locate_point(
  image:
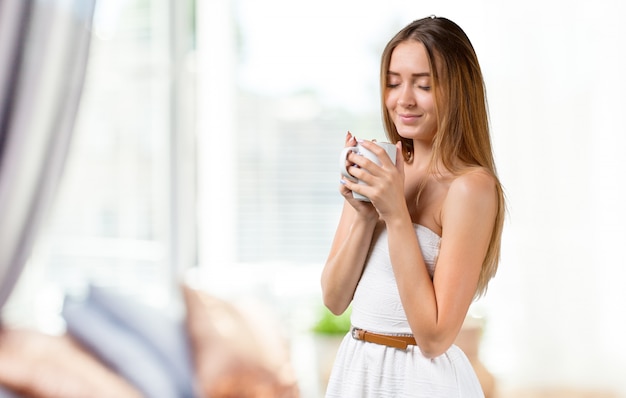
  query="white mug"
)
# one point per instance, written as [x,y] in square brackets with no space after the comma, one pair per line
[360,150]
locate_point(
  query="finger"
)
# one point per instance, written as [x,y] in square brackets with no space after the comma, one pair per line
[351,158]
[350,139]
[363,178]
[349,188]
[399,158]
[359,166]
[355,171]
[377,150]
[384,161]
[342,187]
[345,188]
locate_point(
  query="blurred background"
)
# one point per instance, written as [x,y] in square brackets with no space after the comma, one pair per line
[206,147]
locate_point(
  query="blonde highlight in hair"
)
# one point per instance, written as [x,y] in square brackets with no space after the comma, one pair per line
[463,141]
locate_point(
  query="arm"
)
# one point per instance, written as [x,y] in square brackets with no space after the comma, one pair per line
[436,309]
[345,262]
[349,249]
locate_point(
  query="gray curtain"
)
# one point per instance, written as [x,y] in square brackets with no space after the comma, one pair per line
[44,46]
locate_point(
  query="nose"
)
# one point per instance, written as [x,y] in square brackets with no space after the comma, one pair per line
[406,98]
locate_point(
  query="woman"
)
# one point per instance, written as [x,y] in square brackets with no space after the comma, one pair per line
[433,225]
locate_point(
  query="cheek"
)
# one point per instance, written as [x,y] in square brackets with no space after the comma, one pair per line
[426,101]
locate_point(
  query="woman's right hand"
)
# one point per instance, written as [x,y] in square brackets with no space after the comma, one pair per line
[347,256]
[363,209]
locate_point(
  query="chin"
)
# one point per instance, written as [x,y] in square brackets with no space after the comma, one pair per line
[412,133]
[406,133]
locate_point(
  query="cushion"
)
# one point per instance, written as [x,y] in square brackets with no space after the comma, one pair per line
[40,365]
[238,350]
[117,347]
[5,393]
[164,335]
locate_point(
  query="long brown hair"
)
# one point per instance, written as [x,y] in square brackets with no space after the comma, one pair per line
[462,141]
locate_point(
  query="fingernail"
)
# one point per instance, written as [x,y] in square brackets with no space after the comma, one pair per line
[342,181]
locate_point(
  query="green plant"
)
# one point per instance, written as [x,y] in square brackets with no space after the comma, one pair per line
[331,324]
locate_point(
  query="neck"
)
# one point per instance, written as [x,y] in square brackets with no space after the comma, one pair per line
[422,153]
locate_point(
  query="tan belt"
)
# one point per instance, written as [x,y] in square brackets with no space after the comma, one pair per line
[391,341]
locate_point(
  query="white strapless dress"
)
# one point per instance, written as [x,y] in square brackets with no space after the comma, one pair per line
[363,369]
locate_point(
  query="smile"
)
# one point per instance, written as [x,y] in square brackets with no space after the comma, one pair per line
[408,118]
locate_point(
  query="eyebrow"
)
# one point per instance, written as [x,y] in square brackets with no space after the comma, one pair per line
[421,74]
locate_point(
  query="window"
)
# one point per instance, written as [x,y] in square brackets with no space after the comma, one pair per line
[116,218]
[274,102]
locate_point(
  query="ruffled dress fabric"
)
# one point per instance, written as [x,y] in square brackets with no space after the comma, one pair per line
[369,370]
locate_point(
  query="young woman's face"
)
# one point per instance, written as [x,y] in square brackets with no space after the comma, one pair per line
[409,95]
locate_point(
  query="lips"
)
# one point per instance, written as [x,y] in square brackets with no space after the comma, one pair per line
[408,118]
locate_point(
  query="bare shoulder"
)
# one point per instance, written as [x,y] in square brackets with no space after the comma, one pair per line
[475,181]
[475,189]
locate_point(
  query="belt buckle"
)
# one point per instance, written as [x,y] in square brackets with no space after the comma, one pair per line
[357,334]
